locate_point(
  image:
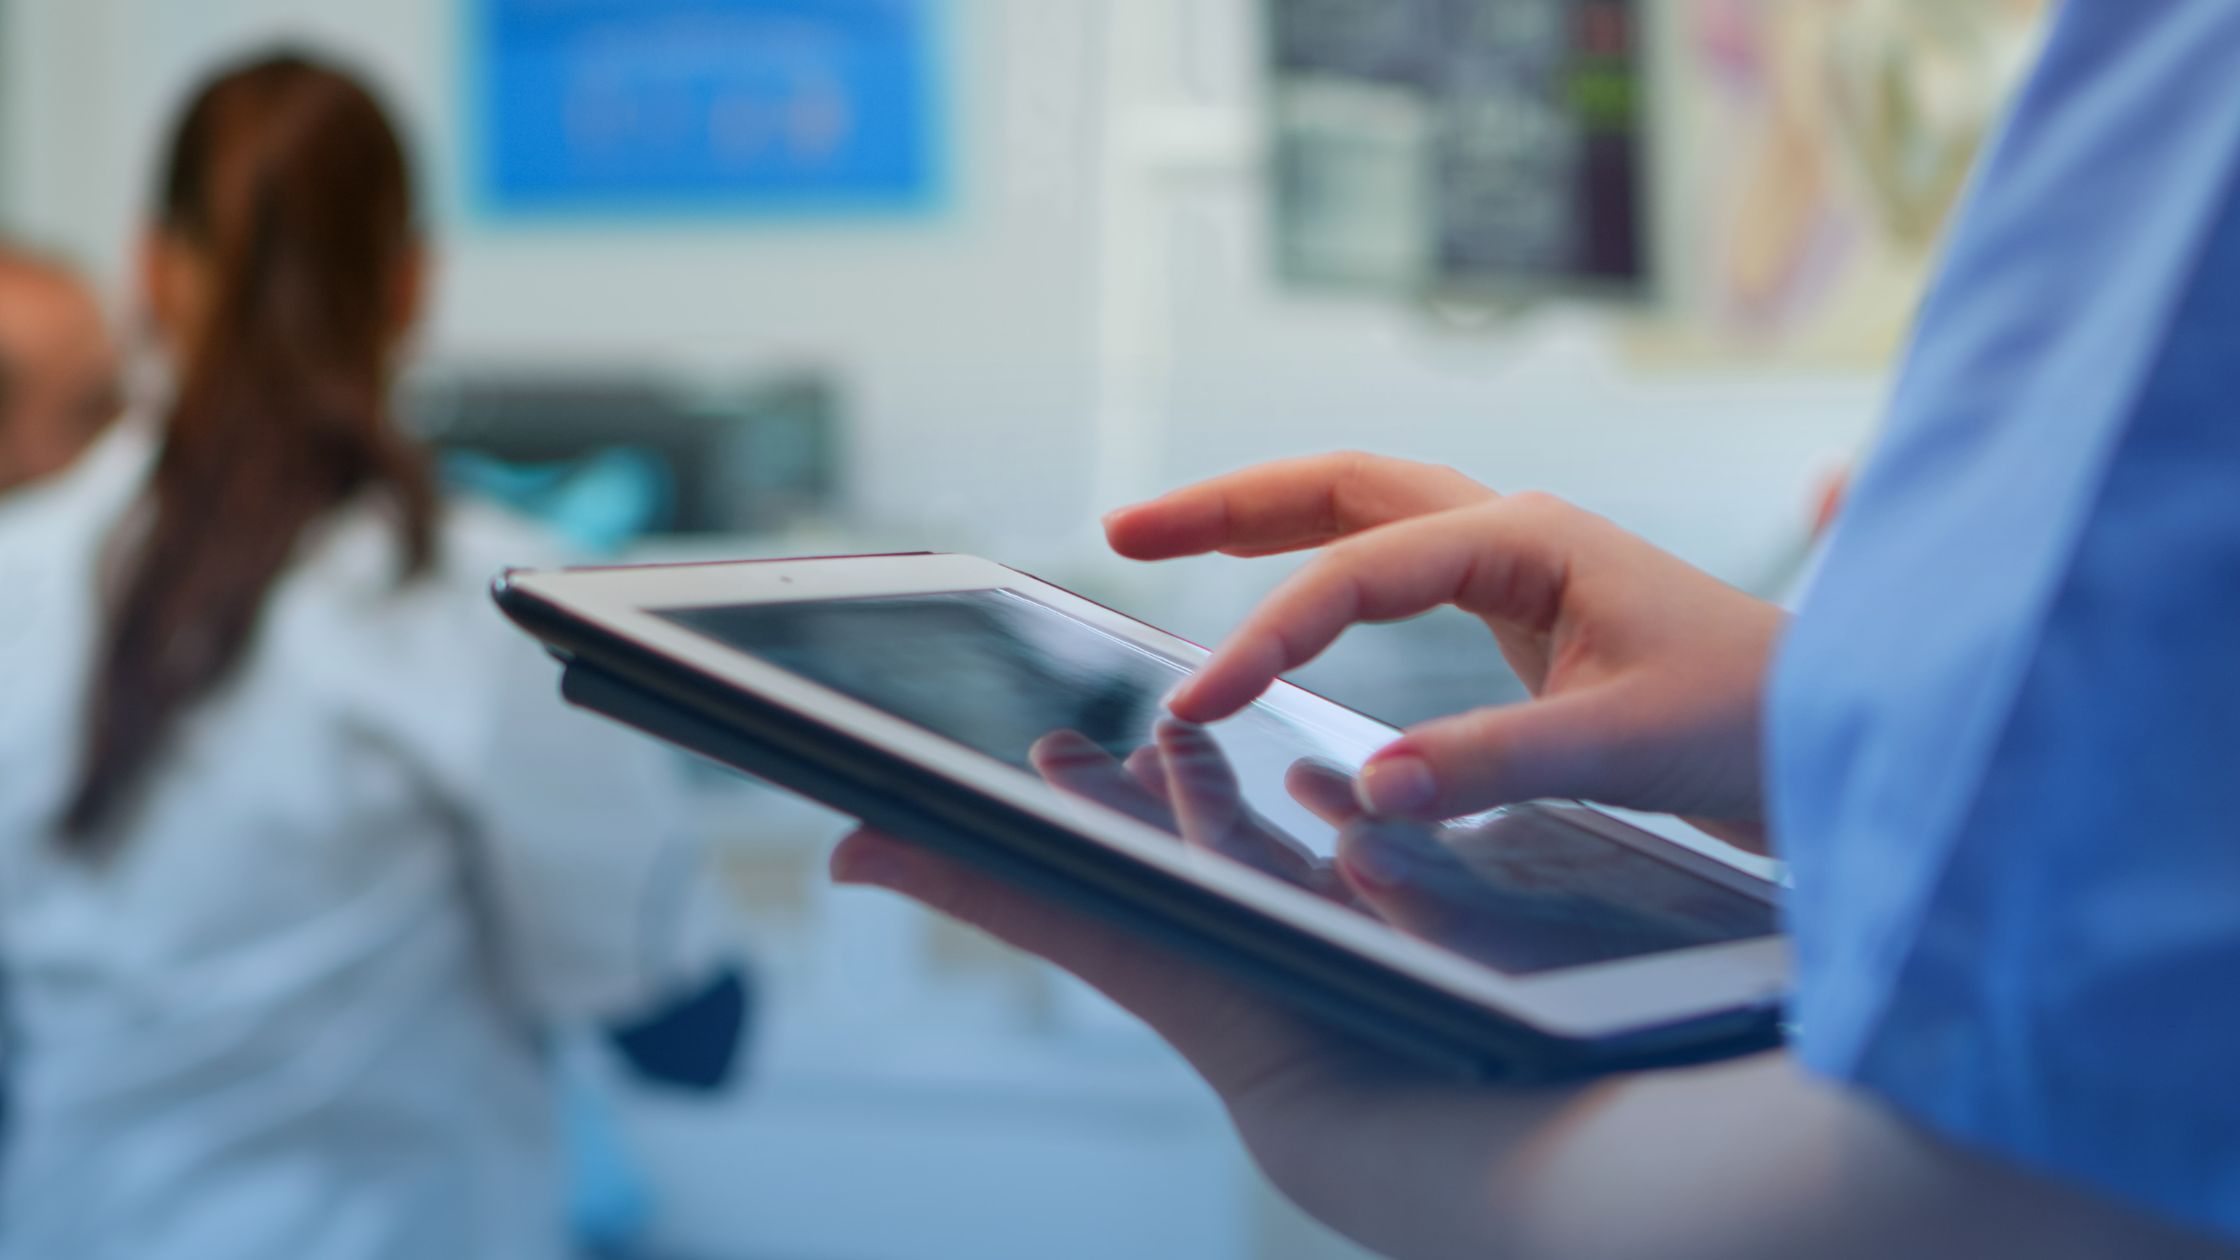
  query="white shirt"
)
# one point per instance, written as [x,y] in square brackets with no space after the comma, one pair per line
[295,1016]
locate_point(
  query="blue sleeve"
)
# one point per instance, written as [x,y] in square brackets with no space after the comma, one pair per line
[2006,725]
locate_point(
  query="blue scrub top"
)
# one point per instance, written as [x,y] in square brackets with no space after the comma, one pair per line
[2005,729]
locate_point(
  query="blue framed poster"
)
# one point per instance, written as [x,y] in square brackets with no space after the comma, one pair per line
[707,107]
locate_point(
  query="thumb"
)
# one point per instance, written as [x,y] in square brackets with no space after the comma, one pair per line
[1589,745]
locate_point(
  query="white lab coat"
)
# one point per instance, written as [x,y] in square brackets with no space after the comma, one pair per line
[297,1015]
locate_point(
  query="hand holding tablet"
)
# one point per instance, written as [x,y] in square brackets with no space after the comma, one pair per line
[1019,728]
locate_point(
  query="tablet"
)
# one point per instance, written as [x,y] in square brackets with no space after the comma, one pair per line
[960,704]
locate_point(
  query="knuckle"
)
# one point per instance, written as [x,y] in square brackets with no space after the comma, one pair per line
[1344,585]
[1352,475]
[1453,475]
[1292,649]
[1537,507]
[1330,570]
[1473,758]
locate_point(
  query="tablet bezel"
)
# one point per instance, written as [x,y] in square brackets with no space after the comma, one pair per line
[1590,1001]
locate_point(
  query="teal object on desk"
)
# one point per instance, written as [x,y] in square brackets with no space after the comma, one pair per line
[2005,728]
[598,504]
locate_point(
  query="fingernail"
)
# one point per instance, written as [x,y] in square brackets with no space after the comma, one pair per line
[1180,693]
[1397,785]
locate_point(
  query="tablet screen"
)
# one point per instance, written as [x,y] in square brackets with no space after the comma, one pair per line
[1521,890]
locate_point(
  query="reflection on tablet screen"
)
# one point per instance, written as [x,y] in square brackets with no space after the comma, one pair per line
[1521,890]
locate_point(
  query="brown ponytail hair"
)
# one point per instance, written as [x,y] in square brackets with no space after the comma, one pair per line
[287,182]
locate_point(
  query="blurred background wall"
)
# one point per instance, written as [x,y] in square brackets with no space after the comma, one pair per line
[1094,304]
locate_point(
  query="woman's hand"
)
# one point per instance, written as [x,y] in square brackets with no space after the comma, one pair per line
[1739,1161]
[1647,674]
[1336,1126]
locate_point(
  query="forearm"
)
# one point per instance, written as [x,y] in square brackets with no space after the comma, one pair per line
[1732,1162]
[1741,1161]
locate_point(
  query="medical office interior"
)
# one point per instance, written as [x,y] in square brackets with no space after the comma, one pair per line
[726,278]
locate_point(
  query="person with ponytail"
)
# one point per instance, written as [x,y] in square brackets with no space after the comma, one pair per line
[302,865]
